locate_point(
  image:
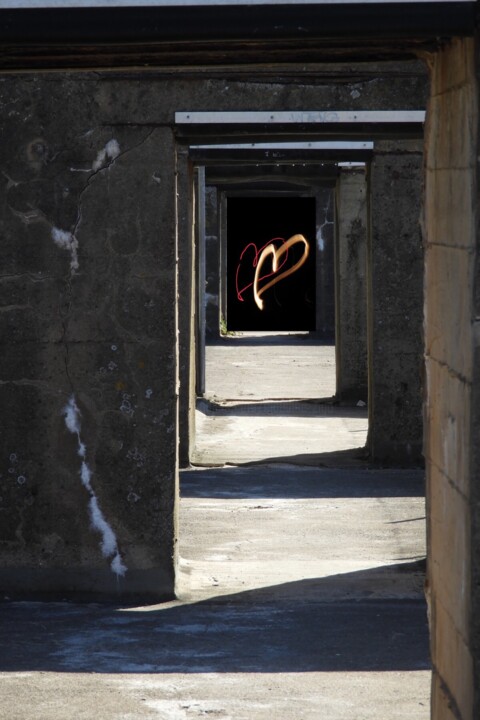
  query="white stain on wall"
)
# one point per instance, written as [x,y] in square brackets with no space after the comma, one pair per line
[320,239]
[108,543]
[109,152]
[65,240]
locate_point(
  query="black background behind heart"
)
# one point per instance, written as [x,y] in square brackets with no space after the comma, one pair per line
[290,304]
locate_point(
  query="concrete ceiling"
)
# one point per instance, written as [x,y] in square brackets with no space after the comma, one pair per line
[47,34]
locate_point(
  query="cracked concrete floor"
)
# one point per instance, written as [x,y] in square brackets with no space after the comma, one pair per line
[299,598]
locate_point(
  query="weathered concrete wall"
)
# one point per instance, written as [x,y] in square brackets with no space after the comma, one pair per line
[88,360]
[88,367]
[351,285]
[452,370]
[395,301]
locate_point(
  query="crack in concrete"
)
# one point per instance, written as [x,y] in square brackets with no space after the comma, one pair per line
[321,241]
[449,480]
[69,279]
[25,382]
[455,374]
[34,278]
[451,702]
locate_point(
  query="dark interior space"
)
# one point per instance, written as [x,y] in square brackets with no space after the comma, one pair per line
[288,297]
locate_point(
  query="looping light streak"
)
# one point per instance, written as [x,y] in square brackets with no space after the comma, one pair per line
[256,257]
[277,254]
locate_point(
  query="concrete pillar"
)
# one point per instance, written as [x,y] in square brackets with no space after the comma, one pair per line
[200,281]
[395,301]
[452,357]
[222,225]
[212,305]
[186,304]
[89,359]
[351,285]
[325,276]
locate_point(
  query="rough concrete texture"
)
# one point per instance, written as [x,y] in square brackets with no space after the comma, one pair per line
[351,284]
[451,415]
[88,379]
[395,303]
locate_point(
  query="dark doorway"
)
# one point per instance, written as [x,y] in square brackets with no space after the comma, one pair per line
[289,302]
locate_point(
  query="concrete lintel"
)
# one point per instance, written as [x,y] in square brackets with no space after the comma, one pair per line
[312,174]
[25,4]
[219,128]
[303,117]
[254,156]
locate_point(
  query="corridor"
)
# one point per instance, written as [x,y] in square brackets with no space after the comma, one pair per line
[310,560]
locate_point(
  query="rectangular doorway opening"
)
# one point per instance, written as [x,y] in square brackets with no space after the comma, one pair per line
[271,264]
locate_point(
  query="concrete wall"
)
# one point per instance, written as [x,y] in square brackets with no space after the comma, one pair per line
[89,363]
[452,368]
[351,285]
[395,300]
[88,359]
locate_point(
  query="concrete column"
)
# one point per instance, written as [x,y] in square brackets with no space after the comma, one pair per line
[452,357]
[212,300]
[395,300]
[325,275]
[222,224]
[88,363]
[186,304]
[200,280]
[351,285]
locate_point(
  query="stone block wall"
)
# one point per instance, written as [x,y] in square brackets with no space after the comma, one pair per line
[451,354]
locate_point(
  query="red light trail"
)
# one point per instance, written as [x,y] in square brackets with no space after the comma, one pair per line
[277,254]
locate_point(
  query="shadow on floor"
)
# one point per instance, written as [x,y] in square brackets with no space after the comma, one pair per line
[235,633]
[282,481]
[322,407]
[272,338]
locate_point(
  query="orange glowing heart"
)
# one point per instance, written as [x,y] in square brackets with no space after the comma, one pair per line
[277,254]
[252,248]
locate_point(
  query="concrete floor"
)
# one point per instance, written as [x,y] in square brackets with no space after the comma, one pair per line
[270,399]
[299,596]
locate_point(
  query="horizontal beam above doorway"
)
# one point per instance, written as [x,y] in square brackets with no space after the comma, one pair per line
[217,128]
[277,156]
[302,117]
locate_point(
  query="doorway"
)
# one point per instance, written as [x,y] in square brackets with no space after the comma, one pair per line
[260,533]
[257,225]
